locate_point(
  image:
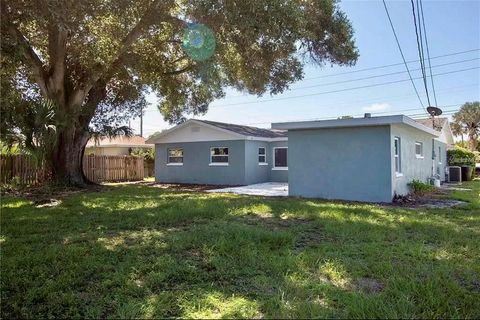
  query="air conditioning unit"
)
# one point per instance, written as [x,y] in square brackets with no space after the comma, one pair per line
[454,174]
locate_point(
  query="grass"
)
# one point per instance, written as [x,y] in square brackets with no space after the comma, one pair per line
[143,252]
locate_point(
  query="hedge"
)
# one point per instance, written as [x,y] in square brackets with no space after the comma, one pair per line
[460,157]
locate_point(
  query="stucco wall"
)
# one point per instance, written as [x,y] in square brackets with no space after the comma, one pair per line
[255,173]
[277,175]
[412,166]
[340,163]
[196,162]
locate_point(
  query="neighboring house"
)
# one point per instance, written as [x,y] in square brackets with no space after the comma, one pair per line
[443,126]
[117,146]
[207,152]
[362,159]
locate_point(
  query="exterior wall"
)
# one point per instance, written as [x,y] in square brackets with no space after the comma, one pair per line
[340,163]
[441,161]
[255,173]
[277,175]
[412,166]
[196,160]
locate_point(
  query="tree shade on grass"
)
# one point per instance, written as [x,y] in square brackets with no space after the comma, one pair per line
[138,251]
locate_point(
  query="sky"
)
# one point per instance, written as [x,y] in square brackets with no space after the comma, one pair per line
[453,29]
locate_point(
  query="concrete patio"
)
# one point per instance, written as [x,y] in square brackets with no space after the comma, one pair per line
[268,189]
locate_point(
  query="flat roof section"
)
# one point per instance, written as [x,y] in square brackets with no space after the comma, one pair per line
[355,122]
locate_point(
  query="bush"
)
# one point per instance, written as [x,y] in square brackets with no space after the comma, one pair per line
[460,157]
[419,188]
[148,154]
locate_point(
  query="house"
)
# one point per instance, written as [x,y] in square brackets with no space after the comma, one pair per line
[117,146]
[443,126]
[361,159]
[208,152]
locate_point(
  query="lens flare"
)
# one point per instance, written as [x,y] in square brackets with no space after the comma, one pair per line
[198,41]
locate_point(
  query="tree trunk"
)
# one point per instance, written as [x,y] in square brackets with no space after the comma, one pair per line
[67,157]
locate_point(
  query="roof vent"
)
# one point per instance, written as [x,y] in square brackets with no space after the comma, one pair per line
[367,115]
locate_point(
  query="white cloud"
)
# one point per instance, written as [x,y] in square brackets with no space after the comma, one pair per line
[376,107]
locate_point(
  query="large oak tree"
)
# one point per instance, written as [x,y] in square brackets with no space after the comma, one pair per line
[95,58]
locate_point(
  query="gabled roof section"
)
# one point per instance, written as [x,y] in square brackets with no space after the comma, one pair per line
[436,124]
[213,131]
[248,131]
[442,125]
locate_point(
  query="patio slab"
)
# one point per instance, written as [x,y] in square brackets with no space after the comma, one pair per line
[268,189]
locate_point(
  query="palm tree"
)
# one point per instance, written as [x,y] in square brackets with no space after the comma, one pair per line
[457,130]
[467,120]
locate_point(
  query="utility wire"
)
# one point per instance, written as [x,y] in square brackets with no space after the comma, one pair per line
[401,52]
[420,51]
[341,90]
[369,77]
[428,53]
[388,65]
[455,106]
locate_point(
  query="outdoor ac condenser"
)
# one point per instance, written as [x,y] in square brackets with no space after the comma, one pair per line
[454,174]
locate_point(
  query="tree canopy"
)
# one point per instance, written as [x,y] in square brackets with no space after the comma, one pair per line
[467,120]
[94,59]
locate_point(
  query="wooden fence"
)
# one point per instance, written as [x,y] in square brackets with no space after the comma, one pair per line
[24,170]
[21,169]
[113,168]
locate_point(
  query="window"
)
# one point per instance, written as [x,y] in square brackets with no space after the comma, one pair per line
[397,154]
[419,150]
[219,156]
[439,155]
[262,156]
[280,159]
[175,157]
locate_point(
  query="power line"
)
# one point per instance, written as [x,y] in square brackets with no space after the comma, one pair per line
[428,53]
[401,52]
[361,114]
[420,50]
[388,65]
[367,78]
[340,90]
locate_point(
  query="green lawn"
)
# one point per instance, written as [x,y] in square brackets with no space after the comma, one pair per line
[139,251]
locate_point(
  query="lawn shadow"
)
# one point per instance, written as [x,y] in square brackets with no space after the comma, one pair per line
[134,252]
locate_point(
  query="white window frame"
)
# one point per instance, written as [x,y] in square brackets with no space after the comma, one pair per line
[397,156]
[264,155]
[219,164]
[273,156]
[421,154]
[174,163]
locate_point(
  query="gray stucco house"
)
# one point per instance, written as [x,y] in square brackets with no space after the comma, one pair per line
[207,152]
[360,159]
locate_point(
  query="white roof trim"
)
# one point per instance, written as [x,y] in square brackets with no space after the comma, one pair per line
[155,139]
[356,122]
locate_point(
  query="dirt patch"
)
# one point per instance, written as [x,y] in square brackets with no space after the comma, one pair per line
[184,187]
[437,199]
[472,285]
[368,285]
[46,203]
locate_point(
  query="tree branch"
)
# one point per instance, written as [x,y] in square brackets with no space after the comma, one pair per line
[179,71]
[57,49]
[106,73]
[30,58]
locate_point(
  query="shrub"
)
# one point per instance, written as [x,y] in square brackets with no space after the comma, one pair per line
[419,188]
[148,154]
[460,157]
